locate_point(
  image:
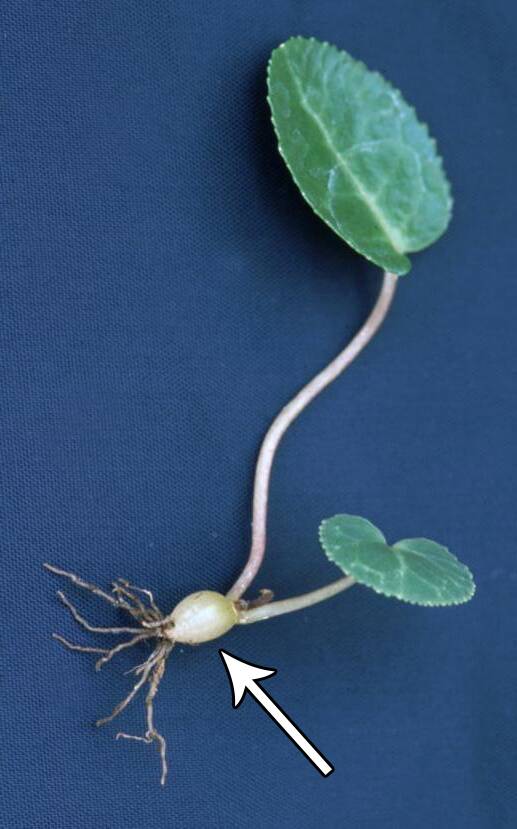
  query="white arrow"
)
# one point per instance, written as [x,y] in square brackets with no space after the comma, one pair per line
[243,677]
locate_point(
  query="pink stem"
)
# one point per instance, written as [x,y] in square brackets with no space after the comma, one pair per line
[284,419]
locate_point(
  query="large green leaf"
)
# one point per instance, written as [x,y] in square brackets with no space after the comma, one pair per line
[415,570]
[357,152]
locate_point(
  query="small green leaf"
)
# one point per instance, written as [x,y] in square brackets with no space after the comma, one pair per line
[415,570]
[350,529]
[357,152]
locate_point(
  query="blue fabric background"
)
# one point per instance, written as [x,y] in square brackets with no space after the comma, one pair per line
[164,291]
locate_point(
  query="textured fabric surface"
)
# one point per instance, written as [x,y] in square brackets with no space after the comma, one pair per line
[164,291]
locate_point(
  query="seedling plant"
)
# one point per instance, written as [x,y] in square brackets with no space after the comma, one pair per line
[370,170]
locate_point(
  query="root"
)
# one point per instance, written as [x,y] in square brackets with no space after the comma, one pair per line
[152,735]
[151,623]
[86,625]
[123,586]
[86,585]
[110,654]
[72,647]
[125,702]
[137,608]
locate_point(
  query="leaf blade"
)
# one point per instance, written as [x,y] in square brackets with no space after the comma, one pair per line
[414,570]
[349,529]
[356,151]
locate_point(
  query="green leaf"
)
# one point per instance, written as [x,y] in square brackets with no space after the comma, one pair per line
[415,570]
[357,152]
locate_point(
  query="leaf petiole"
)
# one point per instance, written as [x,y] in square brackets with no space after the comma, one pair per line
[268,611]
[287,415]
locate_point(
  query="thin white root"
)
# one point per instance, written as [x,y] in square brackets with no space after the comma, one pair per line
[151,623]
[125,702]
[78,618]
[152,735]
[73,647]
[110,654]
[147,593]
[138,669]
[86,585]
[137,609]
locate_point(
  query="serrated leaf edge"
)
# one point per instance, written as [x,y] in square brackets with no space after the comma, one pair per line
[395,595]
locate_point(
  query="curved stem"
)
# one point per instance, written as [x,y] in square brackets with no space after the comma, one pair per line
[284,419]
[267,611]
